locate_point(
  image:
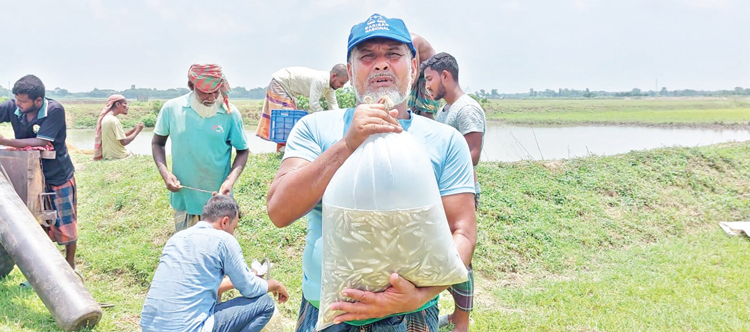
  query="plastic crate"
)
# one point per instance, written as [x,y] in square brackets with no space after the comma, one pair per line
[282,122]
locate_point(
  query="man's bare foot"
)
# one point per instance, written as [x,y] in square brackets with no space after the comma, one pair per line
[460,320]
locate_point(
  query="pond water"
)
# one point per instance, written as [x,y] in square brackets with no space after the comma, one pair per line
[84,139]
[512,143]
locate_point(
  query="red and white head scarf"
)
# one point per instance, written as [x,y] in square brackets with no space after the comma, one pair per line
[98,132]
[208,78]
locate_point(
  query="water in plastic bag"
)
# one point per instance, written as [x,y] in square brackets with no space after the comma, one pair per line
[382,213]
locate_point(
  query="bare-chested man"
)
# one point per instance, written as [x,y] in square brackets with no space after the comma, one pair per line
[420,102]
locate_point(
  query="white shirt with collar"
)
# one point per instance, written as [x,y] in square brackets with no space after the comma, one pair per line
[310,83]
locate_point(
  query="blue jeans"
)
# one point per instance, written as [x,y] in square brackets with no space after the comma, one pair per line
[420,321]
[243,314]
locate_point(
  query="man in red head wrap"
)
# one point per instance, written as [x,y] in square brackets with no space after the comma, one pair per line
[203,127]
[210,86]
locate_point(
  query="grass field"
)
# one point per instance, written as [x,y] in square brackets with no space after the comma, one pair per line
[618,243]
[646,111]
[84,113]
[649,111]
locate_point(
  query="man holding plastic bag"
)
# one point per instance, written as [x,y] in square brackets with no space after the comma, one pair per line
[382,67]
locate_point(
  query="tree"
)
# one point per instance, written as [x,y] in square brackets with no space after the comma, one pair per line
[588,94]
[479,99]
[96,93]
[344,97]
[663,91]
[61,92]
[494,94]
[241,92]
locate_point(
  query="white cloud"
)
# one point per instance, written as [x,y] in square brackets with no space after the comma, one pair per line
[581,4]
[585,5]
[513,5]
[98,9]
[215,24]
[383,7]
[710,4]
[163,9]
[510,45]
[198,19]
[289,38]
[330,3]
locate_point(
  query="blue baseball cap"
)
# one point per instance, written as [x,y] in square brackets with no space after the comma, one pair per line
[380,26]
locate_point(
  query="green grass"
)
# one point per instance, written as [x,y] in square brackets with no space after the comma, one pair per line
[693,283]
[6,130]
[84,113]
[617,243]
[714,116]
[696,111]
[647,111]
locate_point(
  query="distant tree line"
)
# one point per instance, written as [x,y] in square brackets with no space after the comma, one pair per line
[260,93]
[635,92]
[134,93]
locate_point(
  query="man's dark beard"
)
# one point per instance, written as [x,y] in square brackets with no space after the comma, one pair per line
[32,110]
[440,94]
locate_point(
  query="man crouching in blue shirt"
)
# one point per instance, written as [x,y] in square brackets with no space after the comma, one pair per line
[189,279]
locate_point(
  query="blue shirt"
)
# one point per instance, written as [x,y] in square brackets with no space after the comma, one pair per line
[201,149]
[49,125]
[193,263]
[313,134]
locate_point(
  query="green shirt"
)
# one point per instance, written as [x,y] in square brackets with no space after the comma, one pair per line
[201,149]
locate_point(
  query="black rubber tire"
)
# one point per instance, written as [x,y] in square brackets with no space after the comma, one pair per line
[6,263]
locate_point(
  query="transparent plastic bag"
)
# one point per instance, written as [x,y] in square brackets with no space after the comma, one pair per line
[382,213]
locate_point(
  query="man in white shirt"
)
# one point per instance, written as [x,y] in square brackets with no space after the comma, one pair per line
[289,83]
[313,84]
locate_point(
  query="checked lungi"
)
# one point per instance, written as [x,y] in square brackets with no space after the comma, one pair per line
[276,99]
[463,293]
[420,321]
[65,228]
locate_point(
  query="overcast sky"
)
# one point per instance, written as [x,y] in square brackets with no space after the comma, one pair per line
[509,45]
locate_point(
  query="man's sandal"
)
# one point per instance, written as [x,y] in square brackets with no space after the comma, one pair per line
[443,321]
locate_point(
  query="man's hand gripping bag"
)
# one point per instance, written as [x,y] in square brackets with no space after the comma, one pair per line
[382,213]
